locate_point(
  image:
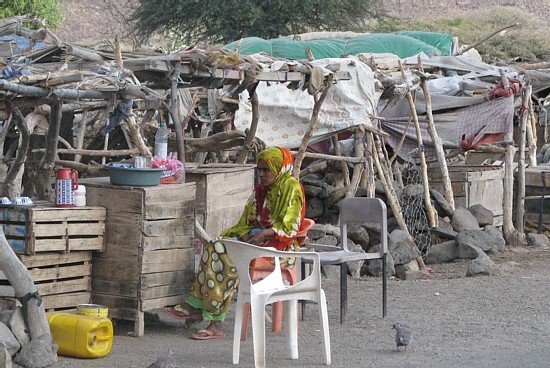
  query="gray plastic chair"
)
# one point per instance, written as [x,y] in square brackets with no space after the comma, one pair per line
[355,210]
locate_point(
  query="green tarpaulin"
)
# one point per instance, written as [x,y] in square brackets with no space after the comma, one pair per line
[403,44]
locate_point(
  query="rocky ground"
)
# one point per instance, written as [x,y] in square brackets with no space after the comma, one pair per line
[483,321]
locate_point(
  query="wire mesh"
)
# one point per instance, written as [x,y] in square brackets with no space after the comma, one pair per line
[412,204]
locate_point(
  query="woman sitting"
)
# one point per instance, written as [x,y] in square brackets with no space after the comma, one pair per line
[272,217]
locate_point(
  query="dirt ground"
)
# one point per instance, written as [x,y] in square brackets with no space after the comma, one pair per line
[484,321]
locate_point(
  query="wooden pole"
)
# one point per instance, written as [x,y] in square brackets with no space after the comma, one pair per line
[511,235]
[394,202]
[532,135]
[445,178]
[251,134]
[45,168]
[520,197]
[312,124]
[430,211]
[343,165]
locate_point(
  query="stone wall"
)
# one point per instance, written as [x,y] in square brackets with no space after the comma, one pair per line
[438,8]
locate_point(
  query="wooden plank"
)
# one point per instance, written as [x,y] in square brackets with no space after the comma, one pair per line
[56,273]
[151,243]
[110,287]
[161,302]
[163,291]
[115,199]
[69,300]
[166,278]
[113,301]
[53,258]
[64,286]
[156,211]
[167,260]
[115,269]
[177,226]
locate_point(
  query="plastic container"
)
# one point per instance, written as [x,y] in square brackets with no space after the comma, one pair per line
[125,174]
[161,141]
[81,335]
[80,196]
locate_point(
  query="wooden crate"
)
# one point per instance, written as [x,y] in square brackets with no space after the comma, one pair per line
[148,261]
[474,185]
[62,279]
[46,228]
[222,191]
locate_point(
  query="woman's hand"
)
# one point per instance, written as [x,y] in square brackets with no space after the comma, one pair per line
[261,237]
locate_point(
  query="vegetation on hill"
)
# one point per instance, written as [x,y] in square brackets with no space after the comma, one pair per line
[224,21]
[530,41]
[48,10]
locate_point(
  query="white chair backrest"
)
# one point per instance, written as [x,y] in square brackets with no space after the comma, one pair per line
[361,210]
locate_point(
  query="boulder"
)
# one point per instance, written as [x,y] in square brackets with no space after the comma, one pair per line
[373,267]
[482,266]
[441,205]
[483,215]
[463,220]
[442,252]
[314,207]
[537,240]
[397,246]
[359,235]
[497,235]
[466,249]
[485,240]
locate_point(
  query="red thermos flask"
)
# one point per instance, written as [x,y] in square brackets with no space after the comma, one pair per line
[66,182]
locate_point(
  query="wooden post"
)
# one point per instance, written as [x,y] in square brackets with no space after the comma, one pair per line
[343,165]
[45,168]
[520,197]
[393,201]
[532,135]
[430,211]
[445,178]
[241,159]
[312,124]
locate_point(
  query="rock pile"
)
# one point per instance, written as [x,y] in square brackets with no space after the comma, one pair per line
[462,233]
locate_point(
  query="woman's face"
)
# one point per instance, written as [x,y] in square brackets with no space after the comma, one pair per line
[266,176]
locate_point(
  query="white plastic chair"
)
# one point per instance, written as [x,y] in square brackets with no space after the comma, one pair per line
[272,289]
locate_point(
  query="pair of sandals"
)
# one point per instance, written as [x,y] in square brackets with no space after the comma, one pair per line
[191,319]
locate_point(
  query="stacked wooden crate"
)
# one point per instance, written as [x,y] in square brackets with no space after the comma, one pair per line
[56,245]
[148,261]
[222,191]
[471,185]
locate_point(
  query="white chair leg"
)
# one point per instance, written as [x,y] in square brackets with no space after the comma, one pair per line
[291,325]
[239,315]
[257,311]
[323,315]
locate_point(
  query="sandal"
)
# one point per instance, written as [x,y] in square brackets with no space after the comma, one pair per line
[178,312]
[206,335]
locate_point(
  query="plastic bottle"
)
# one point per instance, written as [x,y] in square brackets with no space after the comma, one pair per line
[80,196]
[161,140]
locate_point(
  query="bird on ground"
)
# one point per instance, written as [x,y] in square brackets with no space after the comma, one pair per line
[166,360]
[403,336]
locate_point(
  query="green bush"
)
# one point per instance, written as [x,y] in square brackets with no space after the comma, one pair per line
[48,10]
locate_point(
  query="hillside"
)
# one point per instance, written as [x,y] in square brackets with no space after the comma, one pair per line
[97,19]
